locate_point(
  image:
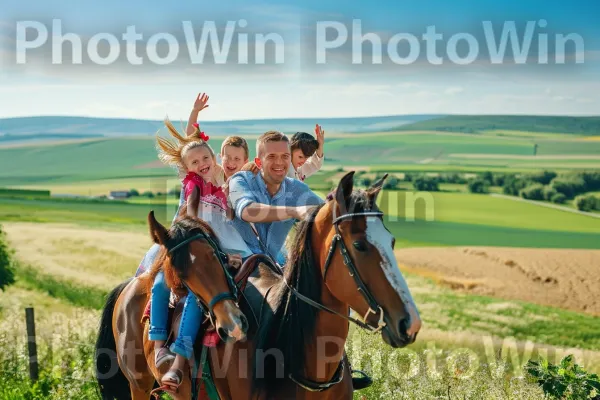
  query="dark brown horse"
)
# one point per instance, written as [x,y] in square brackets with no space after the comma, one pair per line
[189,253]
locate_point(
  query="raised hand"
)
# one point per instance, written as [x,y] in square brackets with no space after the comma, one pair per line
[320,139]
[201,102]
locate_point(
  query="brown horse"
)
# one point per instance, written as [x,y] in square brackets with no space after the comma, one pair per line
[299,322]
[124,355]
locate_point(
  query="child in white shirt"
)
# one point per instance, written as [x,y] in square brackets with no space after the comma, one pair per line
[307,153]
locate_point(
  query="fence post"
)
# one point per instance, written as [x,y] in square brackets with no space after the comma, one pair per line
[31,344]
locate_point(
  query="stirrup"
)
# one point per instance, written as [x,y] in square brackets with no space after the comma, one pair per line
[361,382]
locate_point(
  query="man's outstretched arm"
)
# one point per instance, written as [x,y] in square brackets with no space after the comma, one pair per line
[257,212]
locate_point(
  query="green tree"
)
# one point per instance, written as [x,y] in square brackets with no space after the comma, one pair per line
[7,271]
[426,184]
[587,203]
[134,192]
[478,186]
[391,182]
[533,192]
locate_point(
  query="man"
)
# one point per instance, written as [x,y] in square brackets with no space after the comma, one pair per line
[270,200]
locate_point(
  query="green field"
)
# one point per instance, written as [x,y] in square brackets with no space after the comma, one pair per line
[80,166]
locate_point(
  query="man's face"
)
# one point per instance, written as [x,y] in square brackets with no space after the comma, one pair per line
[275,161]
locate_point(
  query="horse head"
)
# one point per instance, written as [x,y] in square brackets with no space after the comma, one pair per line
[193,257]
[364,273]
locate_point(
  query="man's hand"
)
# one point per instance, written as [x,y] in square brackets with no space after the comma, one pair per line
[201,102]
[320,139]
[234,260]
[302,212]
[251,167]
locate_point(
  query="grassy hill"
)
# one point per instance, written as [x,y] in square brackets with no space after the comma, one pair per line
[533,123]
[111,158]
[57,127]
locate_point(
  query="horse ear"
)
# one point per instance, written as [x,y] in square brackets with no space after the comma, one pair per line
[158,232]
[374,190]
[344,190]
[193,201]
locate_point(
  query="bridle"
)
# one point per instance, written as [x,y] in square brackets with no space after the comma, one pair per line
[374,307]
[338,375]
[231,294]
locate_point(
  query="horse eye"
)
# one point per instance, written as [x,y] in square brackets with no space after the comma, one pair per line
[360,245]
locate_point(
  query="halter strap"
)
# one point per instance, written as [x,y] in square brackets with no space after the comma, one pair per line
[352,215]
[188,240]
[220,256]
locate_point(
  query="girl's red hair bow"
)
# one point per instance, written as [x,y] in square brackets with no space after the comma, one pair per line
[203,136]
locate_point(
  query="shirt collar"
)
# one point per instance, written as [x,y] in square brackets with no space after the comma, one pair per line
[263,186]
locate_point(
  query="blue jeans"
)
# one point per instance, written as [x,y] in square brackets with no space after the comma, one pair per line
[159,308]
[190,318]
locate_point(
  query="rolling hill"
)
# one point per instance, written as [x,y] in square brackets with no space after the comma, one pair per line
[56,127]
[533,123]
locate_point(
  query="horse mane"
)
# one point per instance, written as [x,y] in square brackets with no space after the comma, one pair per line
[176,267]
[289,330]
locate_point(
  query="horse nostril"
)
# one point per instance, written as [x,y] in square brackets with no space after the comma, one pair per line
[244,323]
[403,326]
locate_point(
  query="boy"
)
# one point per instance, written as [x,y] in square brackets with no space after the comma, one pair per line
[307,153]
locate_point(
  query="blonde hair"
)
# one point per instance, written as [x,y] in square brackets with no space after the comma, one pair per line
[173,153]
[236,141]
[270,136]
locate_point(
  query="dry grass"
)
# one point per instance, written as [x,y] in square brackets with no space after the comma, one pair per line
[555,277]
[91,257]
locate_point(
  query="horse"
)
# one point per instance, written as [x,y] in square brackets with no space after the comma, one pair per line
[192,259]
[299,315]
[341,259]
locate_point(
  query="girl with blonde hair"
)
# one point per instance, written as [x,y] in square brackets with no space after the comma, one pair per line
[196,161]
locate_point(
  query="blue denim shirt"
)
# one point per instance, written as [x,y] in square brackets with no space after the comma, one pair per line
[246,188]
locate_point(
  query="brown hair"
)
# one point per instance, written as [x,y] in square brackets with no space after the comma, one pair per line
[236,141]
[172,153]
[270,136]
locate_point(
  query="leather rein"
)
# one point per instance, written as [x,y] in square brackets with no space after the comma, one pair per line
[232,294]
[362,288]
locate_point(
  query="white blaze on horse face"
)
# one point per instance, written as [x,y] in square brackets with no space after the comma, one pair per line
[192,257]
[381,238]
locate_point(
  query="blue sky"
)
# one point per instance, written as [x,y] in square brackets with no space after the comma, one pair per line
[299,87]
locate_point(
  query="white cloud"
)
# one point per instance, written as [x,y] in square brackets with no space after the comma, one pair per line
[454,90]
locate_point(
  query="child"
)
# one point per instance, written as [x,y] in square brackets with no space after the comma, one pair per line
[234,155]
[234,150]
[307,153]
[194,157]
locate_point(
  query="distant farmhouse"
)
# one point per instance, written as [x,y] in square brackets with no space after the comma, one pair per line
[119,195]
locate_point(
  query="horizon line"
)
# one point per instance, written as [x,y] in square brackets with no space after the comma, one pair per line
[313,118]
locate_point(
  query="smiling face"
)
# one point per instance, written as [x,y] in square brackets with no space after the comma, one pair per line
[275,161]
[298,158]
[200,161]
[234,159]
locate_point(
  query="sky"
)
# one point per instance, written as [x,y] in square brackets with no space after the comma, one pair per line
[321,58]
